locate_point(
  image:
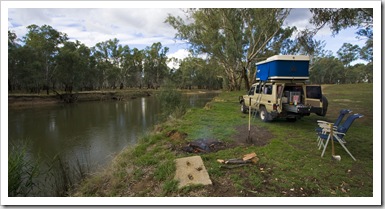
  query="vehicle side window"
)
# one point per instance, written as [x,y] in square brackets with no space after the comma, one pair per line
[257,90]
[268,89]
[251,92]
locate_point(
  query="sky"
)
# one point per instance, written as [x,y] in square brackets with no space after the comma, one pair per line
[140,27]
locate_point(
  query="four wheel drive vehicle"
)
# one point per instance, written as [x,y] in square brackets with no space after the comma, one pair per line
[284,99]
[281,90]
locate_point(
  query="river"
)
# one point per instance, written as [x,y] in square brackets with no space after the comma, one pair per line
[87,133]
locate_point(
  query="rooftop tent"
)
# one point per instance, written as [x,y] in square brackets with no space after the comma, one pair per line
[293,67]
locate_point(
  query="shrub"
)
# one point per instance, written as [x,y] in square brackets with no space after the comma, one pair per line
[22,171]
[171,102]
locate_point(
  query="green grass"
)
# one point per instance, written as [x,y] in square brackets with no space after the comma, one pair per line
[289,165]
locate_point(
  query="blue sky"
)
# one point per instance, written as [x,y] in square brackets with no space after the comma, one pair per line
[139,27]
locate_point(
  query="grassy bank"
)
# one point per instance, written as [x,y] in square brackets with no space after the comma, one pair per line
[289,160]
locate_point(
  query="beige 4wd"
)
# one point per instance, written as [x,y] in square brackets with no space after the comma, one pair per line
[284,99]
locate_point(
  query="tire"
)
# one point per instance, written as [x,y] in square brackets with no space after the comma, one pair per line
[325,105]
[244,108]
[264,115]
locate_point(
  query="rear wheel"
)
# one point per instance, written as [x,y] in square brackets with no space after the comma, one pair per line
[244,108]
[264,115]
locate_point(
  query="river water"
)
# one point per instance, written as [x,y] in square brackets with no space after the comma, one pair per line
[90,133]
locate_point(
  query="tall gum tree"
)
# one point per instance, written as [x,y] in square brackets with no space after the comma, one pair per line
[234,37]
[44,41]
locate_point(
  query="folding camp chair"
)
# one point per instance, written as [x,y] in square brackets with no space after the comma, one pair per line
[338,134]
[323,125]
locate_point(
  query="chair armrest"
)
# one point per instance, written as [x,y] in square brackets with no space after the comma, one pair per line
[322,121]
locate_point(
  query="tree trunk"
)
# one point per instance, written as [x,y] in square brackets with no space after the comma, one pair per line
[245,78]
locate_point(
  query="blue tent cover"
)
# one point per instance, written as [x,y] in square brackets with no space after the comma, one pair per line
[283,67]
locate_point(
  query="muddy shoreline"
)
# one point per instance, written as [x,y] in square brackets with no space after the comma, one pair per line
[27,100]
[24,100]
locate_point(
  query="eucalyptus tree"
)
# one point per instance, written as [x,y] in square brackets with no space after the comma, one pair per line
[348,53]
[22,65]
[198,72]
[109,56]
[234,37]
[155,65]
[44,42]
[73,63]
[13,61]
[189,68]
[133,67]
[342,18]
[327,69]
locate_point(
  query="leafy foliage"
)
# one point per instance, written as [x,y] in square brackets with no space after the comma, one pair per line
[342,18]
[171,101]
[235,38]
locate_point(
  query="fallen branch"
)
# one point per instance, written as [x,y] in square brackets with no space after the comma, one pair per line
[249,158]
[237,161]
[233,166]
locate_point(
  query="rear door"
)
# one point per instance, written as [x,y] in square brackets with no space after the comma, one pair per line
[279,102]
[313,96]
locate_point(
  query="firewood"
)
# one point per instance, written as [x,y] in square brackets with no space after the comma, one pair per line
[220,161]
[249,156]
[237,161]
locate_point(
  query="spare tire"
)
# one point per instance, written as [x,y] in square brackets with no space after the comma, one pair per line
[325,104]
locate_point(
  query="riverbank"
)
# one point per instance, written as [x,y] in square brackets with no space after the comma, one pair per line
[16,100]
[288,161]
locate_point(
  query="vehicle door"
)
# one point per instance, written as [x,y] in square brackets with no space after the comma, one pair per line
[250,94]
[313,96]
[267,97]
[279,95]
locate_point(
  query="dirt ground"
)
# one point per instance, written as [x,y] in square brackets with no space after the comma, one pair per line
[259,136]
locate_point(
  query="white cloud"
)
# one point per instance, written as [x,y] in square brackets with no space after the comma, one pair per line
[299,18]
[90,26]
[180,55]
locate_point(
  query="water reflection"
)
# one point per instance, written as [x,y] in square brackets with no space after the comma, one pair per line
[94,131]
[100,128]
[144,111]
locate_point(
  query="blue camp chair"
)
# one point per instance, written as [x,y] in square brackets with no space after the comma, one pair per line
[323,125]
[338,134]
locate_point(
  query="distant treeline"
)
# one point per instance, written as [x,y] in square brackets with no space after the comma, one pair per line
[231,40]
[46,60]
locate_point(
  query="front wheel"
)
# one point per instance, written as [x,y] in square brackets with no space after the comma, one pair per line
[264,115]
